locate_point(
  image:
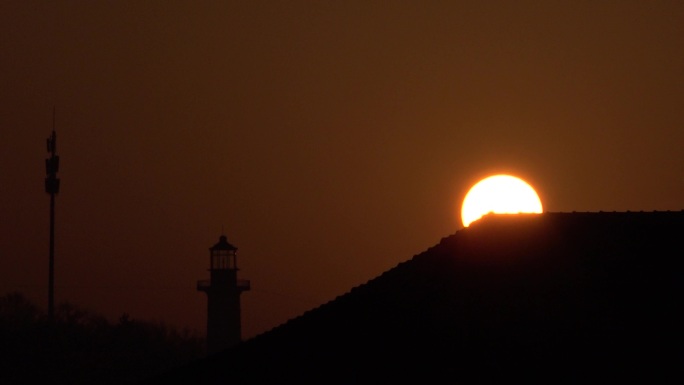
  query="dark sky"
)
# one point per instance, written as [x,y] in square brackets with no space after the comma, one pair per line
[331,140]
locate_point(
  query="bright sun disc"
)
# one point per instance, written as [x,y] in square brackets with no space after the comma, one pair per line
[499,194]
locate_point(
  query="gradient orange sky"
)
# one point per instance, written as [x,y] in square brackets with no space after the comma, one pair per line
[331,140]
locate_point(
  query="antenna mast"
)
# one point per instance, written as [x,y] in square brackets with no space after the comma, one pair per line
[52,188]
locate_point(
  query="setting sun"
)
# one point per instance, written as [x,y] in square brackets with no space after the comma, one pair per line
[499,194]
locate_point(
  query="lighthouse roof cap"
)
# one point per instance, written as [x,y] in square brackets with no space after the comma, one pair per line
[223,244]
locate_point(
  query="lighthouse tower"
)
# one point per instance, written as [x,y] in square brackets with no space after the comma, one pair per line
[223,297]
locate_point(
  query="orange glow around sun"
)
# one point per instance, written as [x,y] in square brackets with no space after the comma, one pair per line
[499,194]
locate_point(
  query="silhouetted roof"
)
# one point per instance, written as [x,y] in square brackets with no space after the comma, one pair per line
[223,244]
[553,298]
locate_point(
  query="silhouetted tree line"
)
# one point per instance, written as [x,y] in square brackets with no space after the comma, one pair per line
[80,347]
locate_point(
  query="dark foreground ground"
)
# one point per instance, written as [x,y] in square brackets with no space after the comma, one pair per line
[80,347]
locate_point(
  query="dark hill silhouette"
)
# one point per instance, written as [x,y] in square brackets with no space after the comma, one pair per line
[552,298]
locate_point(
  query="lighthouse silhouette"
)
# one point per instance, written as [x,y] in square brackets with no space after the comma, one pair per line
[223,297]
